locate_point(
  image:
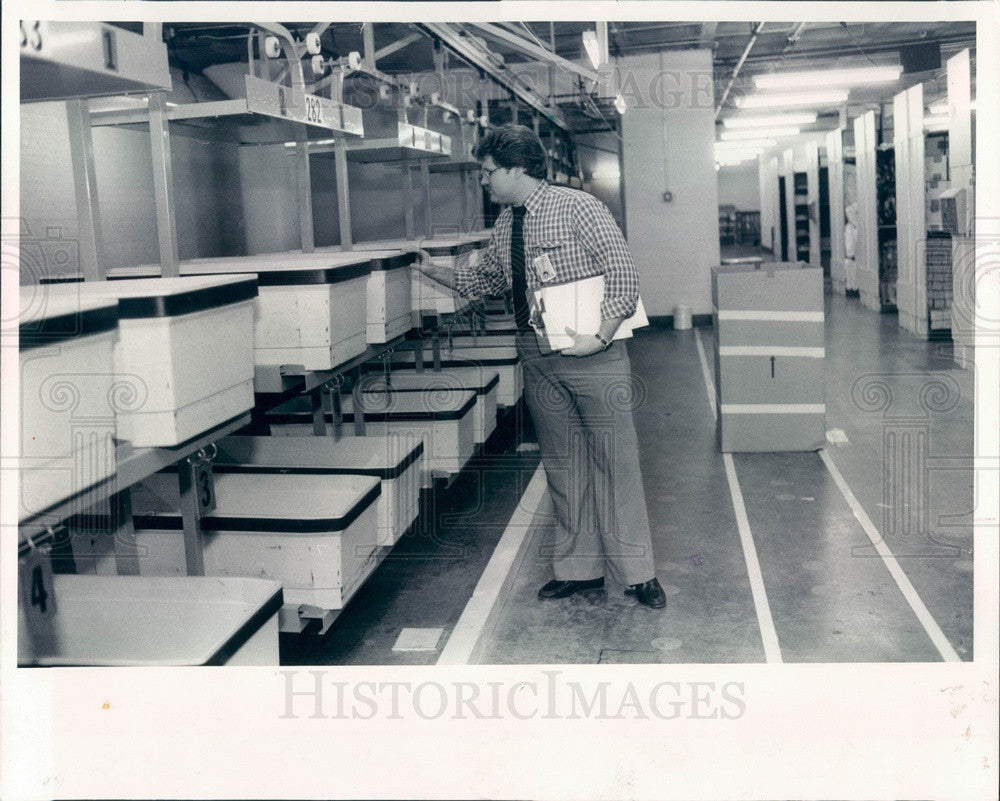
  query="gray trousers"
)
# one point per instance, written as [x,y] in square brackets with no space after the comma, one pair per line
[582,411]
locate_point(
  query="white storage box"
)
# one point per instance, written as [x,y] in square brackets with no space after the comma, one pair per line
[429,296]
[389,297]
[481,380]
[394,459]
[444,422]
[156,621]
[312,309]
[315,534]
[67,394]
[503,359]
[183,362]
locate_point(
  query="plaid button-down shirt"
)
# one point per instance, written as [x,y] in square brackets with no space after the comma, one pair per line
[580,237]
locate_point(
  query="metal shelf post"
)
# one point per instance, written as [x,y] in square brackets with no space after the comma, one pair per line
[92,256]
[163,187]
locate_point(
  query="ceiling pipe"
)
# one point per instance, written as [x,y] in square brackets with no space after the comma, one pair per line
[522,45]
[739,66]
[482,58]
[792,39]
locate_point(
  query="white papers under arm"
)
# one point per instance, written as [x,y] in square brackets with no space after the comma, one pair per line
[577,305]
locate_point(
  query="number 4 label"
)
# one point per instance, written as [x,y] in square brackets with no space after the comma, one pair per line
[37,593]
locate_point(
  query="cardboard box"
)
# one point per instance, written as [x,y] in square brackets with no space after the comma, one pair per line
[769,357]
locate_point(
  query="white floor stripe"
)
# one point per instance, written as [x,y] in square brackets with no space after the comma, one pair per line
[769,635]
[930,625]
[709,383]
[477,611]
[772,650]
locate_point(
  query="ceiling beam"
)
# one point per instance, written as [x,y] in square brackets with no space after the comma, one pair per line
[522,45]
[396,46]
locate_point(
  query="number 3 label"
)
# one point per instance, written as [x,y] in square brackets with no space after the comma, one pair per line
[37,594]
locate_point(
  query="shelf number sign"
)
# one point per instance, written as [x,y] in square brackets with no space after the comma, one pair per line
[204,486]
[37,594]
[31,34]
[314,110]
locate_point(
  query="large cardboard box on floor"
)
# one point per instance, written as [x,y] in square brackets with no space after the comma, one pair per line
[769,356]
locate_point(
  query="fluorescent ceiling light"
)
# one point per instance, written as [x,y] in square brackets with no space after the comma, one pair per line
[816,99]
[592,48]
[799,118]
[847,77]
[743,144]
[734,136]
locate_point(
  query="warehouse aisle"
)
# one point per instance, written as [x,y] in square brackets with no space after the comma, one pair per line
[697,551]
[828,593]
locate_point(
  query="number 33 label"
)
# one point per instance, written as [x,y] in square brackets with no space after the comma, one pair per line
[37,594]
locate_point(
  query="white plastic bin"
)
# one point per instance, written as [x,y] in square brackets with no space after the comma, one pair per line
[389,297]
[481,380]
[315,534]
[502,358]
[445,423]
[394,459]
[313,307]
[67,394]
[184,360]
[156,621]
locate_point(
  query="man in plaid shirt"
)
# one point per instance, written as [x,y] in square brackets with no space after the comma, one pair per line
[580,397]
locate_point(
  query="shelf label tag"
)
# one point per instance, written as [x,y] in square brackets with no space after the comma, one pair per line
[37,593]
[204,485]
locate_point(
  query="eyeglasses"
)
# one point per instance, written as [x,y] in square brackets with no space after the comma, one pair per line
[488,173]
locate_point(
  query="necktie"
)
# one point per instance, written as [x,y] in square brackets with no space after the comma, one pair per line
[519,283]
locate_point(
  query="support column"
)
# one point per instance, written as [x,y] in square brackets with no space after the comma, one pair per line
[343,194]
[163,185]
[93,261]
[425,174]
[303,178]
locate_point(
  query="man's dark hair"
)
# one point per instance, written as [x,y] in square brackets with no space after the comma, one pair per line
[514,146]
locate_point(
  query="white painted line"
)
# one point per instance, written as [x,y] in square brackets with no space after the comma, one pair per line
[709,383]
[930,625]
[772,316]
[768,634]
[477,611]
[774,408]
[765,350]
[772,650]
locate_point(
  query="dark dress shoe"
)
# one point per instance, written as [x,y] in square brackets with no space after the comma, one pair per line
[649,593]
[563,589]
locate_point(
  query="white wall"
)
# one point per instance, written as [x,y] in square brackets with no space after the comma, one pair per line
[668,133]
[739,186]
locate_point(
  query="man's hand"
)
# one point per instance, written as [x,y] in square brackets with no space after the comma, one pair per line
[423,264]
[583,344]
[443,275]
